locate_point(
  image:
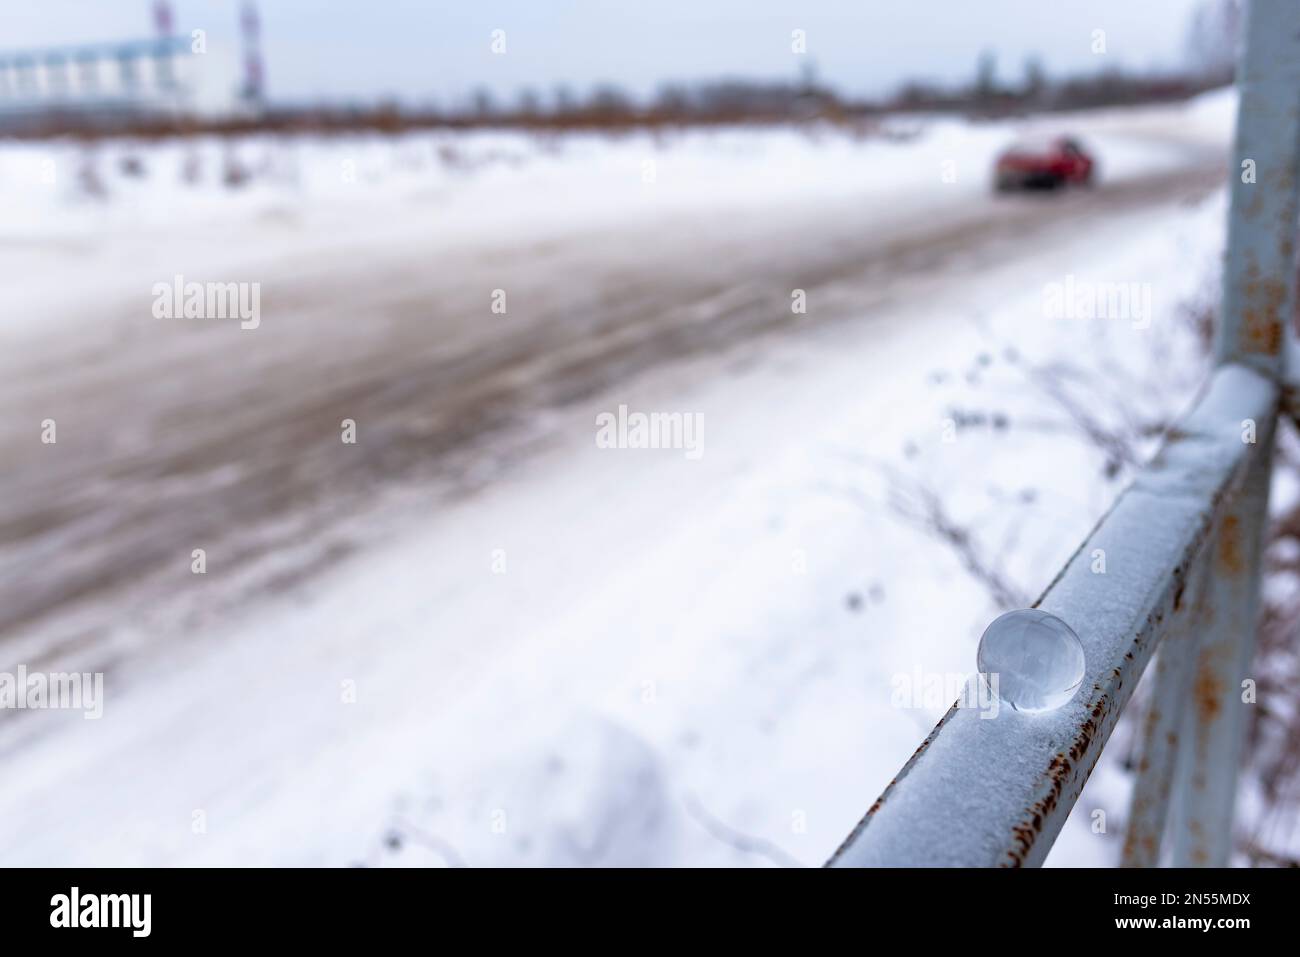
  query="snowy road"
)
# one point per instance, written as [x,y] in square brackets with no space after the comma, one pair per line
[472,567]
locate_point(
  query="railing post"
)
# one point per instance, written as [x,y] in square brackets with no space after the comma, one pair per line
[1259,277]
[1259,292]
[1215,721]
[1162,729]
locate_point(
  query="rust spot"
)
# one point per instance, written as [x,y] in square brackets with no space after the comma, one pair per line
[1261,315]
[1207,692]
[1059,772]
[1253,208]
[1228,557]
[1087,732]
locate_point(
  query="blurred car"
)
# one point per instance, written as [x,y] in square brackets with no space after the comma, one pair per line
[1043,163]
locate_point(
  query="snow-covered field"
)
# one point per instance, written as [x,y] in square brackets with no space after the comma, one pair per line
[514,646]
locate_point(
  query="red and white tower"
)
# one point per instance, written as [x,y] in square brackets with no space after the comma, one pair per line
[164,70]
[162,18]
[254,78]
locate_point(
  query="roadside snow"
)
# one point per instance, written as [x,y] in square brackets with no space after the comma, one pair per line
[123,211]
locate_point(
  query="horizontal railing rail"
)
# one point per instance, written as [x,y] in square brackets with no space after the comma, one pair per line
[989,793]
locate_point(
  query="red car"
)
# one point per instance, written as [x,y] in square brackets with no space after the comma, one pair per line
[1046,163]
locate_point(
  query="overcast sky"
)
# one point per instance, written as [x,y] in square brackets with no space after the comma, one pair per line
[440,49]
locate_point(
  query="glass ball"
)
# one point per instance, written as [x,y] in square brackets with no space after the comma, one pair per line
[1030,659]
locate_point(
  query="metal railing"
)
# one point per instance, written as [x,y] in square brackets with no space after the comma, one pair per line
[1182,548]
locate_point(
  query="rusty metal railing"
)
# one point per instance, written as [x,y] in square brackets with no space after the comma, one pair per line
[1182,548]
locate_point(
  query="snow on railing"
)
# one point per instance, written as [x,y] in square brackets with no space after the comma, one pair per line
[1182,549]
